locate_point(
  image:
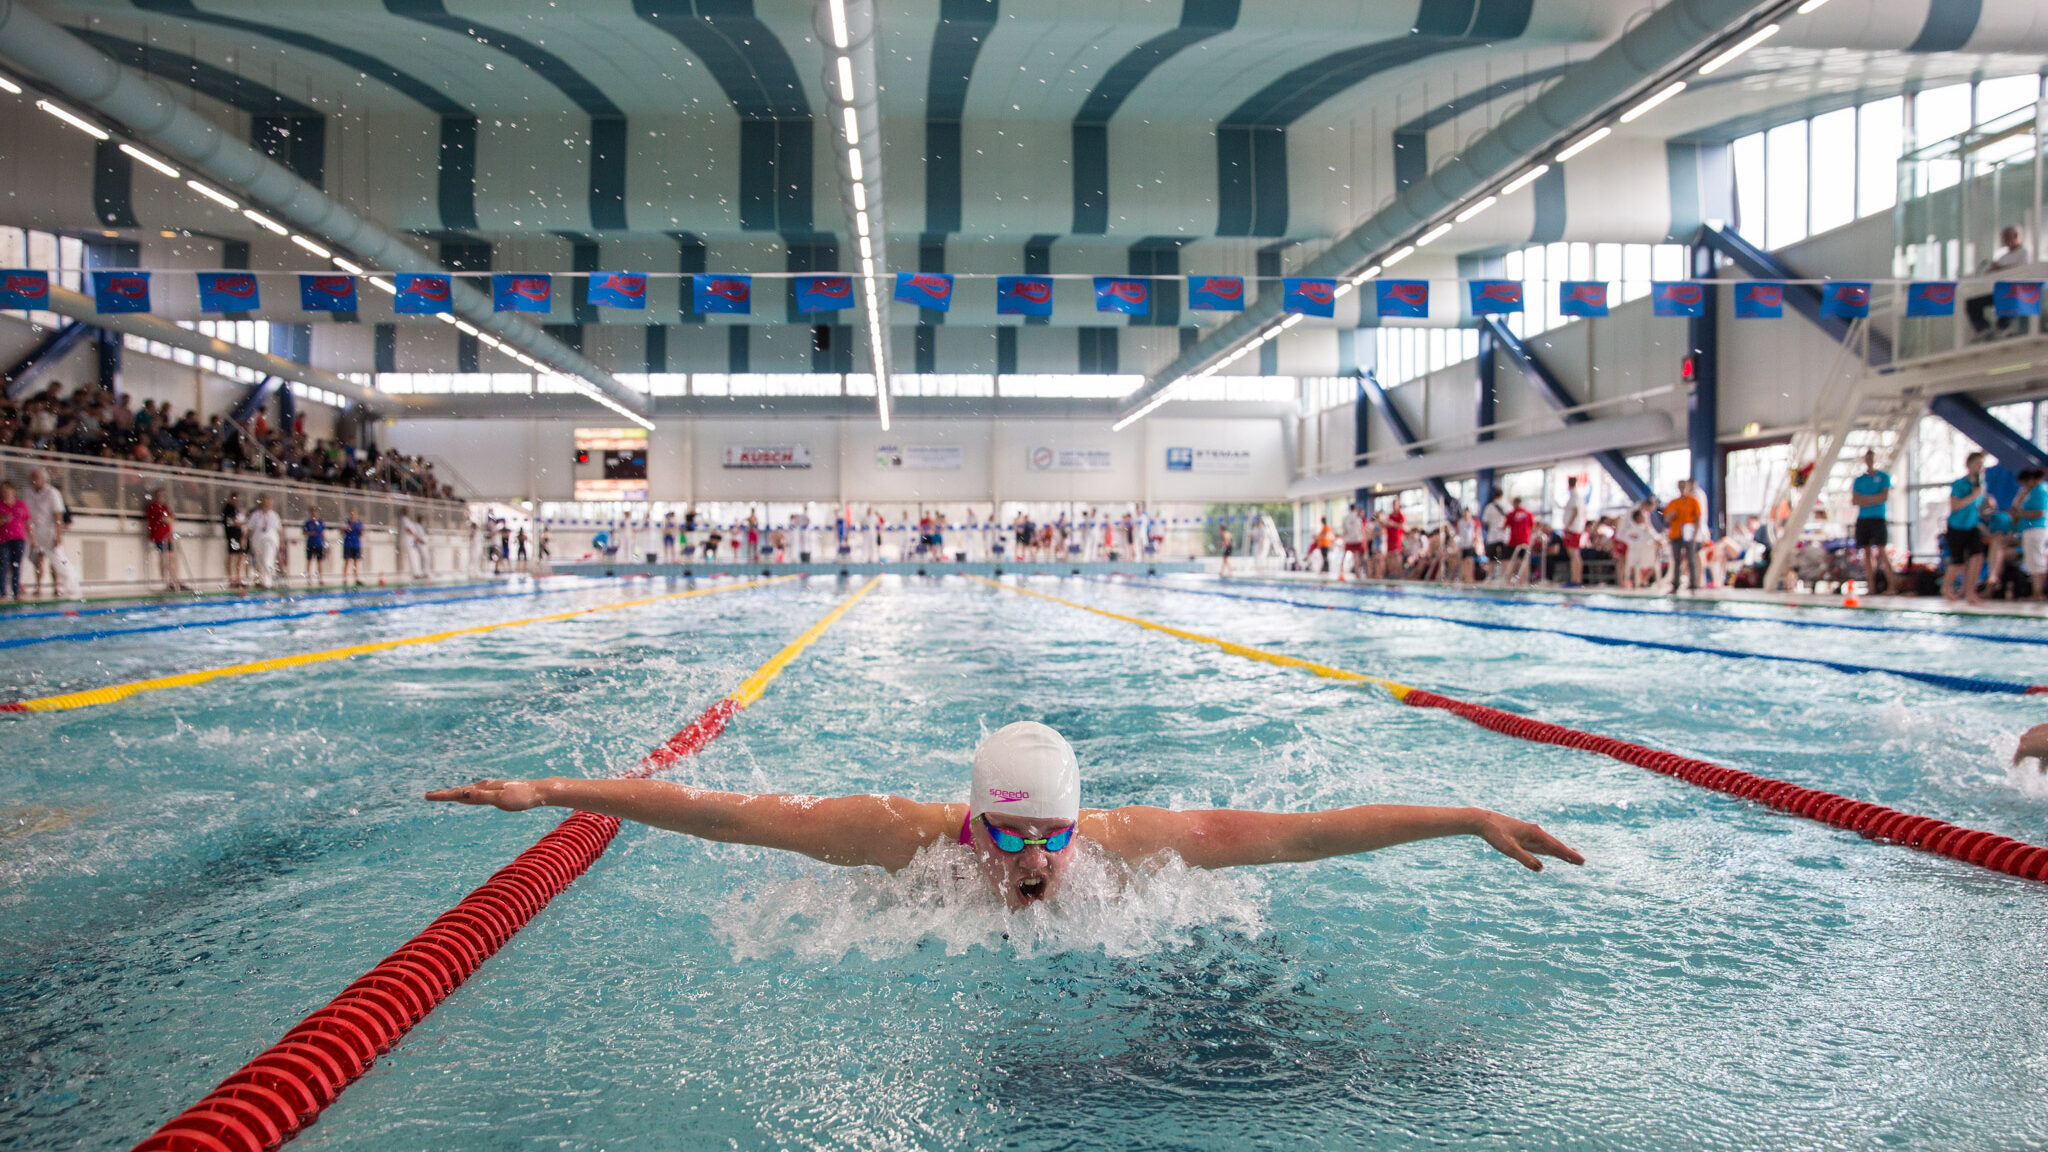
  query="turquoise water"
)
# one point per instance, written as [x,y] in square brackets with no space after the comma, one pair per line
[203,866]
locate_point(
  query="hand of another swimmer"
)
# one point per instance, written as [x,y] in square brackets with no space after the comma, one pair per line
[2033,746]
[1517,839]
[510,795]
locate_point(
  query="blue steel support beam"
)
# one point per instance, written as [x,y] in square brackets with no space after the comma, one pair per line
[1361,438]
[27,375]
[1488,410]
[1804,298]
[1369,387]
[1991,434]
[1552,390]
[1703,406]
[109,360]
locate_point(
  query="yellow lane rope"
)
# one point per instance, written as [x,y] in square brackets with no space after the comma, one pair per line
[1399,690]
[750,689]
[114,692]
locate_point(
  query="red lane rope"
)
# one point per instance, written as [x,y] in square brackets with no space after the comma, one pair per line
[1969,845]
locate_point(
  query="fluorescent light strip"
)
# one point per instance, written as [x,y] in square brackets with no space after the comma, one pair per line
[1291,321]
[1398,255]
[838,10]
[9,87]
[853,163]
[1663,94]
[79,122]
[867,250]
[384,285]
[146,158]
[860,197]
[265,222]
[219,198]
[1809,6]
[349,267]
[464,328]
[846,79]
[1362,277]
[851,122]
[1585,142]
[1433,235]
[446,318]
[1525,179]
[1745,44]
[860,220]
[1476,209]
[312,247]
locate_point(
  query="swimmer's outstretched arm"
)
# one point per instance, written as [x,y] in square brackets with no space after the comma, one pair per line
[849,830]
[1230,837]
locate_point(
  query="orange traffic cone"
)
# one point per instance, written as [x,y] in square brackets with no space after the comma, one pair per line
[1851,601]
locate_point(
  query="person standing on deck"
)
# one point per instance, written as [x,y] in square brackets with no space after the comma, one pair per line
[1868,493]
[1683,518]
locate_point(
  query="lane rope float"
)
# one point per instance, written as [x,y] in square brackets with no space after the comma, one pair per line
[1517,600]
[225,599]
[285,1087]
[93,697]
[230,621]
[1938,679]
[1872,821]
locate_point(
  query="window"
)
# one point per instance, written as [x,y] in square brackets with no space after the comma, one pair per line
[1055,385]
[1880,141]
[1785,200]
[1832,147]
[2006,94]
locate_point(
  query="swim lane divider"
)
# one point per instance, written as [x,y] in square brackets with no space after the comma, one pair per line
[1874,821]
[116,692]
[1938,679]
[285,1087]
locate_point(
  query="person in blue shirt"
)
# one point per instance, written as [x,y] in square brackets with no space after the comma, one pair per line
[1965,538]
[1868,493]
[2030,519]
[352,548]
[316,546]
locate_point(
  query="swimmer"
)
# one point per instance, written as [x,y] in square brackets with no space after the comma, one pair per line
[1021,818]
[2033,746]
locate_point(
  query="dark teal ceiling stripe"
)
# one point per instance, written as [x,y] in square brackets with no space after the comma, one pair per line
[456,196]
[238,92]
[1950,24]
[113,186]
[964,26]
[543,63]
[1547,197]
[1199,20]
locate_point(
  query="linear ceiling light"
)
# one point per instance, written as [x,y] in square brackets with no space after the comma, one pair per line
[1524,180]
[1663,94]
[312,247]
[265,222]
[1585,142]
[846,79]
[1743,45]
[9,87]
[1809,6]
[1398,255]
[79,122]
[1476,209]
[152,161]
[213,194]
[1433,235]
[352,268]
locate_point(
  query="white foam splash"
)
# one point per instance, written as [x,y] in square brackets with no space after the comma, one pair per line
[1122,909]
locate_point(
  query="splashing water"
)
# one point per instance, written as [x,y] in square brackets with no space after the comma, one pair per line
[1122,909]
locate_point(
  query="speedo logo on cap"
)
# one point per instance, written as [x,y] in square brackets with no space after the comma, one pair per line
[1005,796]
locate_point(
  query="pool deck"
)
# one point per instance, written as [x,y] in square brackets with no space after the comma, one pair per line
[886,567]
[1926,605]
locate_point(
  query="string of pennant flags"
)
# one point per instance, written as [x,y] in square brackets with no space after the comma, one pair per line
[428,293]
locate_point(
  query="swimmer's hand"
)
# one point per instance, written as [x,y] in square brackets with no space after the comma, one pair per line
[509,795]
[1517,839]
[2033,746]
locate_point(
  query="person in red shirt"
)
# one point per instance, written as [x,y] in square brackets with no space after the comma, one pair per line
[1396,525]
[1521,525]
[158,521]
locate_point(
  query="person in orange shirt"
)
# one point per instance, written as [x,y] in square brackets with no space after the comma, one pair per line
[1684,517]
[1325,540]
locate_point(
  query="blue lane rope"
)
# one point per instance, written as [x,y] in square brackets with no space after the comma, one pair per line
[1938,679]
[217,602]
[228,621]
[1516,601]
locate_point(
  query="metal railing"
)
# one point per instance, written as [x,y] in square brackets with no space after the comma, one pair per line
[95,487]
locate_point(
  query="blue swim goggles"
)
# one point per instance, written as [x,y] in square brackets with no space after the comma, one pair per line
[1009,841]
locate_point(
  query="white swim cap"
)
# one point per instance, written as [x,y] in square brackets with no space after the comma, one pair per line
[1026,769]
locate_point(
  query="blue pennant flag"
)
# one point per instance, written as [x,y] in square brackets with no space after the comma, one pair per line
[618,290]
[823,293]
[327,293]
[1023,295]
[1215,293]
[420,293]
[1403,299]
[522,292]
[228,292]
[1582,298]
[715,292]
[1496,296]
[1123,294]
[1931,298]
[1308,296]
[120,291]
[1848,299]
[2016,298]
[24,289]
[1678,298]
[1759,300]
[933,290]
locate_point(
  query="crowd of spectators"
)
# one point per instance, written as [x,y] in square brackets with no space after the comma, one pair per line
[96,422]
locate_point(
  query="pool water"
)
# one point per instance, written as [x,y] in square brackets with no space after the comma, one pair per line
[198,868]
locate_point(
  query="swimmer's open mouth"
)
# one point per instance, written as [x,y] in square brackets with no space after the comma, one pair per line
[1033,889]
